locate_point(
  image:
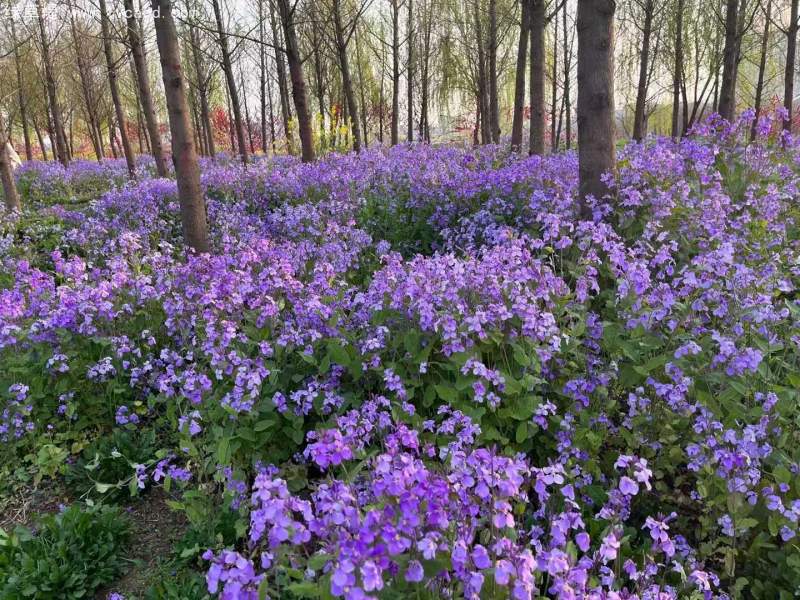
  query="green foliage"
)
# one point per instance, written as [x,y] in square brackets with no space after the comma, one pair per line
[67,555]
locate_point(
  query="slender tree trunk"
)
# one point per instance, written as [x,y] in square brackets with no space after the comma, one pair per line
[347,81]
[227,68]
[58,124]
[410,70]
[298,81]
[567,86]
[202,91]
[362,94]
[283,85]
[494,99]
[727,92]
[184,154]
[788,77]
[23,105]
[762,67]
[639,116]
[395,71]
[537,21]
[247,121]
[596,154]
[677,75]
[145,95]
[554,88]
[115,98]
[424,121]
[483,92]
[519,79]
[231,126]
[40,138]
[10,196]
[262,76]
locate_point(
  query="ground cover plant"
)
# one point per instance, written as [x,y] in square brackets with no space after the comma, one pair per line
[418,373]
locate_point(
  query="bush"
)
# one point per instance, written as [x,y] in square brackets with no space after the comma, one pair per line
[66,555]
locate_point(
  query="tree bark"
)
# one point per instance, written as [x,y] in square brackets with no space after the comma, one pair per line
[10,196]
[115,98]
[410,70]
[788,76]
[762,67]
[639,116]
[23,105]
[537,21]
[145,95]
[491,50]
[519,79]
[202,91]
[677,75]
[298,81]
[283,85]
[596,153]
[554,87]
[727,91]
[262,76]
[227,68]
[50,83]
[567,86]
[347,81]
[483,91]
[184,153]
[395,71]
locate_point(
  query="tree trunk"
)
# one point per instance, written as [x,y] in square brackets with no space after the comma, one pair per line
[410,70]
[283,85]
[23,105]
[361,92]
[247,121]
[727,91]
[298,81]
[115,98]
[639,116]
[262,76]
[184,154]
[10,196]
[554,88]
[519,79]
[677,75]
[537,21]
[145,95]
[762,67]
[788,77]
[395,71]
[567,73]
[347,81]
[596,155]
[202,91]
[491,49]
[227,68]
[483,92]
[52,96]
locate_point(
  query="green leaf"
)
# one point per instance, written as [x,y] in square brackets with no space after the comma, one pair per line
[522,432]
[446,393]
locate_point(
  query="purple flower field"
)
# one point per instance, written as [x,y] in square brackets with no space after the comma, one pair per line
[416,373]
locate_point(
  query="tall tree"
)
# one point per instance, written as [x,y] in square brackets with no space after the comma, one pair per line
[230,79]
[184,153]
[23,104]
[143,85]
[283,85]
[762,67]
[677,73]
[395,10]
[342,38]
[639,116]
[727,91]
[491,51]
[203,77]
[537,25]
[596,127]
[111,67]
[52,96]
[299,95]
[788,77]
[10,195]
[519,76]
[262,75]
[410,69]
